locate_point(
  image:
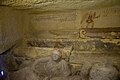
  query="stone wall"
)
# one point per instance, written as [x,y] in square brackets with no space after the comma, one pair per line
[10,27]
[48,24]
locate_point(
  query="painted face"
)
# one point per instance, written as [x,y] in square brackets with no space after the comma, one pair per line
[56,55]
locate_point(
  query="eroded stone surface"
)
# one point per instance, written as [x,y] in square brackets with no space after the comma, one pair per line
[59,4]
[24,74]
[85,71]
[103,72]
[36,52]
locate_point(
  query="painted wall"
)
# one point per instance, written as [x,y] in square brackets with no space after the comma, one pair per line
[10,27]
[42,22]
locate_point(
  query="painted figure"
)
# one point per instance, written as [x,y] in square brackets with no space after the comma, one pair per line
[53,66]
[89,19]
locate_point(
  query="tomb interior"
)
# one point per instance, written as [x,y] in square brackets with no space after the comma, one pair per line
[85,34]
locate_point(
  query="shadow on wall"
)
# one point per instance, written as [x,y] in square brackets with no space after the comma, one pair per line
[0,1]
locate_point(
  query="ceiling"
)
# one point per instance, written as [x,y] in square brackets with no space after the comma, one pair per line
[59,4]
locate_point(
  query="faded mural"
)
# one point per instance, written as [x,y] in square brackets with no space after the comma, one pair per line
[61,45]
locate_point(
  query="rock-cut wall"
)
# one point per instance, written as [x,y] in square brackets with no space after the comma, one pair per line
[10,28]
[66,24]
